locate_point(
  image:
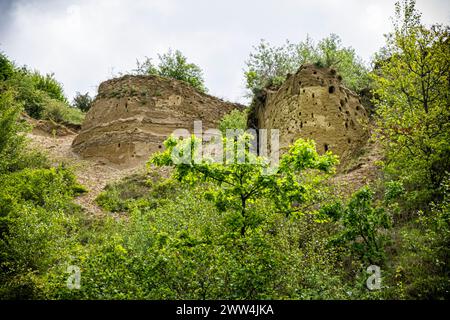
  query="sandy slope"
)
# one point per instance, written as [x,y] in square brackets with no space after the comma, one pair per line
[94,174]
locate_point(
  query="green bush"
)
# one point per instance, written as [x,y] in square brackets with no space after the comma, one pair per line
[411,97]
[185,249]
[37,228]
[236,119]
[420,265]
[173,64]
[82,101]
[6,67]
[62,113]
[11,142]
[242,183]
[29,254]
[41,96]
[363,222]
[26,94]
[119,196]
[49,85]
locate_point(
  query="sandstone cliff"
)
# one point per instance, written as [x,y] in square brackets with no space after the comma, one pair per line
[313,104]
[132,116]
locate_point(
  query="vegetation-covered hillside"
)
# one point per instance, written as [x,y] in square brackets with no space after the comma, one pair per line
[198,229]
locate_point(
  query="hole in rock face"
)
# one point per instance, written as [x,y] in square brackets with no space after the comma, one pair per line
[325,147]
[331,89]
[346,125]
[357,107]
[313,95]
[118,145]
[340,109]
[312,115]
[315,72]
[160,146]
[349,140]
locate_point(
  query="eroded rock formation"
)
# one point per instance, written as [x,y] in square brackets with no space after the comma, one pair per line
[132,116]
[313,104]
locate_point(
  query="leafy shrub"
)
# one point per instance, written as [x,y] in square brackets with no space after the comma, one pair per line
[6,67]
[82,101]
[41,96]
[236,119]
[14,155]
[62,113]
[36,228]
[185,249]
[173,64]
[420,265]
[29,254]
[362,223]
[242,184]
[49,85]
[119,196]
[26,94]
[11,143]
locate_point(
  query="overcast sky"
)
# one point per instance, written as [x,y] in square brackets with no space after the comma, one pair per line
[85,42]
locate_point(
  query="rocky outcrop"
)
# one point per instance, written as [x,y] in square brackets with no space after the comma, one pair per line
[132,116]
[313,104]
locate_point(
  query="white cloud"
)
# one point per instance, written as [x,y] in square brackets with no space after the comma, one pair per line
[84,42]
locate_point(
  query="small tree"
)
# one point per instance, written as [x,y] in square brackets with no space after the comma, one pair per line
[236,119]
[362,223]
[6,67]
[11,141]
[173,64]
[242,179]
[49,85]
[82,101]
[332,54]
[412,85]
